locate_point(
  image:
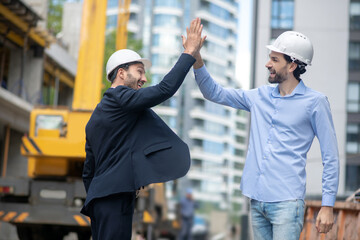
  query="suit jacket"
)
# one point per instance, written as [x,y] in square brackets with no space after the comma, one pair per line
[127,145]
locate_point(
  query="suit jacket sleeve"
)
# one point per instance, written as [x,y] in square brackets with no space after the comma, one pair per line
[89,164]
[129,99]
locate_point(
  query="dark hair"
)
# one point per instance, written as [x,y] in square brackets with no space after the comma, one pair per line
[125,66]
[300,69]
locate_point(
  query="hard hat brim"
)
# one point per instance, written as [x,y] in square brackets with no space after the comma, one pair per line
[272,48]
[147,63]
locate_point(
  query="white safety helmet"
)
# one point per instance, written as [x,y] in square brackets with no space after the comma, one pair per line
[124,56]
[295,45]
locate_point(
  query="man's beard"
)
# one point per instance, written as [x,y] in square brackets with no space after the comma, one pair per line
[279,78]
[131,82]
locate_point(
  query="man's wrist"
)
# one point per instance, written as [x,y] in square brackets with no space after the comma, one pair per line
[190,52]
[198,64]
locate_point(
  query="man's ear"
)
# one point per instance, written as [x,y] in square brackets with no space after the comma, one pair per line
[121,73]
[292,67]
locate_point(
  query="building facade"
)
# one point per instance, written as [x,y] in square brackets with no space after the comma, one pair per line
[34,70]
[353,100]
[330,72]
[215,134]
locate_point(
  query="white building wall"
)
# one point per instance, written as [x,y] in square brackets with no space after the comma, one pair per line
[263,38]
[71,22]
[328,74]
[325,22]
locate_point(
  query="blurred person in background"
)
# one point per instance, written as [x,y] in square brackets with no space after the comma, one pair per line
[187,211]
[285,118]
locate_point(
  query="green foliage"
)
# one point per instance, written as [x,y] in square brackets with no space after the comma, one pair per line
[48,94]
[54,18]
[110,48]
[206,208]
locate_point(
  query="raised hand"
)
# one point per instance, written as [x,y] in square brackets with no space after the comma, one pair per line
[194,41]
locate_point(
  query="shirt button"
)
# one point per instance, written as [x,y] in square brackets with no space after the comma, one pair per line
[272,125]
[264,157]
[269,141]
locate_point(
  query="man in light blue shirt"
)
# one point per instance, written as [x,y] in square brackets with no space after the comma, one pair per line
[285,118]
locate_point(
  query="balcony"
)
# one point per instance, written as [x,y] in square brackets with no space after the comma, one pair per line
[14,110]
[200,113]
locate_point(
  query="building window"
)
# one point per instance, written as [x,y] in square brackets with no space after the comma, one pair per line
[354,56]
[214,128]
[171,102]
[156,78]
[167,20]
[213,147]
[239,153]
[214,108]
[214,68]
[216,30]
[112,3]
[216,10]
[353,97]
[241,126]
[352,177]
[111,21]
[240,139]
[163,60]
[168,3]
[166,40]
[355,15]
[216,49]
[352,138]
[238,166]
[282,14]
[169,120]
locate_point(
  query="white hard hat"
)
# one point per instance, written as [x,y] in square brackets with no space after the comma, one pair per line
[295,45]
[124,56]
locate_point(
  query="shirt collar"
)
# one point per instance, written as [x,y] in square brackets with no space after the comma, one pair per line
[300,89]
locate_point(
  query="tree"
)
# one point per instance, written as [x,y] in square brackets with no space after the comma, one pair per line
[54,18]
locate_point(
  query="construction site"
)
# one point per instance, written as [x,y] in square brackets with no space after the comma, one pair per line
[47,95]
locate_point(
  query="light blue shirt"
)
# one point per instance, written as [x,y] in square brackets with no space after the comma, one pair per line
[281,133]
[187,207]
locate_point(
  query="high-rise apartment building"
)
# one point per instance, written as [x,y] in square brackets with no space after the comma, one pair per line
[353,99]
[215,134]
[334,72]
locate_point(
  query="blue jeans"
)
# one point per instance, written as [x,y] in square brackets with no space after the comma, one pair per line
[277,220]
[186,226]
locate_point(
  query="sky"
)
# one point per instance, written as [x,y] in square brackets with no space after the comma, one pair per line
[244,43]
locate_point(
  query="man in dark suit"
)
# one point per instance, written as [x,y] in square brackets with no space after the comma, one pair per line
[127,145]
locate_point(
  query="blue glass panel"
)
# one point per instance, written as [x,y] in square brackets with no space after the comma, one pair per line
[111,21]
[282,14]
[167,20]
[168,3]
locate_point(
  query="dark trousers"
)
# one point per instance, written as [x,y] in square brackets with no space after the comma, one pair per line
[186,226]
[111,216]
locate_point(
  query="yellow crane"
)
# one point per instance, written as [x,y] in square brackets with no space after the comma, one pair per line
[55,145]
[122,21]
